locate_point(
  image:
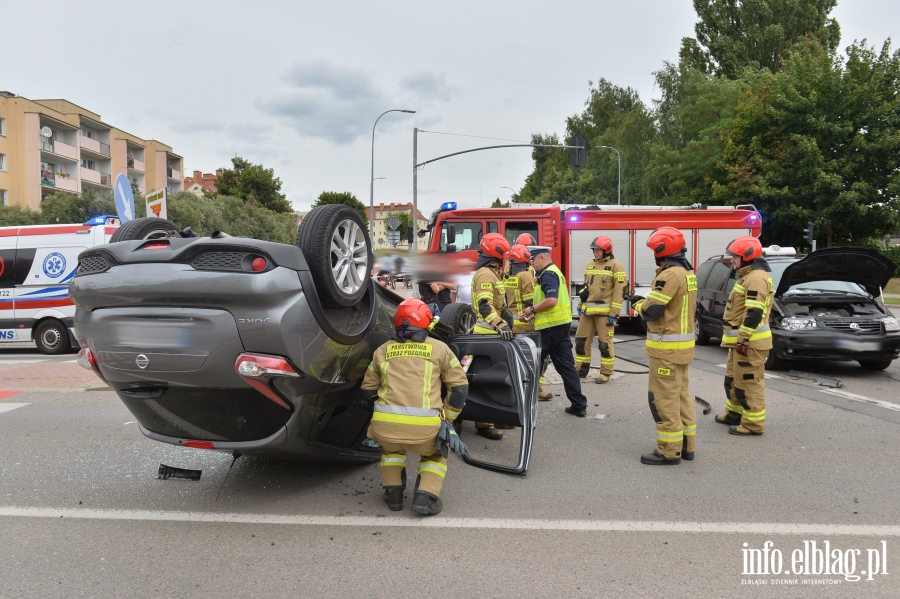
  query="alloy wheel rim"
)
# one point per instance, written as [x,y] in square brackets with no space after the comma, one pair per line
[349,256]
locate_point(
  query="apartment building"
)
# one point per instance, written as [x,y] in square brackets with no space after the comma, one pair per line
[47,146]
[382,213]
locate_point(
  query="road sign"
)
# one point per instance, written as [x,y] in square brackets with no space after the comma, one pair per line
[124,198]
[156,204]
[392,223]
[393,237]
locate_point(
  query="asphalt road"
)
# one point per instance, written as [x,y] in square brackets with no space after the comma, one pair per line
[82,514]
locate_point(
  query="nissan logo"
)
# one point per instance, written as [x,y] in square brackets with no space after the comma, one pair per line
[142,361]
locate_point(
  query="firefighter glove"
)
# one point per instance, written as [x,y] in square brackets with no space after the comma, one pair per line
[506,333]
[448,440]
[741,349]
[634,298]
[583,293]
[613,319]
[507,315]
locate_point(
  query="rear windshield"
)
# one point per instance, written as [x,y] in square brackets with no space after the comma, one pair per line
[813,286]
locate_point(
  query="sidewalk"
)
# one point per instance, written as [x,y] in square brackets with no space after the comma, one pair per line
[49,377]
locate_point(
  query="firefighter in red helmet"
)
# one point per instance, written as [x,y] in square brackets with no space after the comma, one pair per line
[601,302]
[668,312]
[748,339]
[404,373]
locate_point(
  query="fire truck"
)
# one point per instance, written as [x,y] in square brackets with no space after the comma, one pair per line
[569,230]
[36,264]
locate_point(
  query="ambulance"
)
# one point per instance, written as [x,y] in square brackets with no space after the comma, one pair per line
[36,264]
[569,230]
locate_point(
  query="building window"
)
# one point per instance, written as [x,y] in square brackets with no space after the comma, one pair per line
[2,126]
[4,197]
[2,162]
[88,164]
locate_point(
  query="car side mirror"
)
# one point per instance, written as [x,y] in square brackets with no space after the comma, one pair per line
[451,234]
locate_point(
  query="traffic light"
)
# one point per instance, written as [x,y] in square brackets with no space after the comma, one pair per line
[808,233]
[577,156]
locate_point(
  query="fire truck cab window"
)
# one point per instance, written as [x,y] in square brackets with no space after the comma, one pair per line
[468,236]
[514,229]
[492,227]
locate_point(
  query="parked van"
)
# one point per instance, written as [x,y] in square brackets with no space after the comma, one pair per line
[36,264]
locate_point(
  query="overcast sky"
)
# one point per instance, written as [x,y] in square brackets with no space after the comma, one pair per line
[298,85]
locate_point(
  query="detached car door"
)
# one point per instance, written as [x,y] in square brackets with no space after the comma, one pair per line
[503,388]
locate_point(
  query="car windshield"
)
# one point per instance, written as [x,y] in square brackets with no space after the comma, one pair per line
[814,286]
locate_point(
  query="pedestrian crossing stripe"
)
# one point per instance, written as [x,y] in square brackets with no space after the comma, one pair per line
[9,407]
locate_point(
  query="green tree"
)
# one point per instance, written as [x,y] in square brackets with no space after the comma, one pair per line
[405,223]
[819,142]
[498,204]
[235,216]
[18,215]
[77,208]
[342,197]
[249,181]
[736,34]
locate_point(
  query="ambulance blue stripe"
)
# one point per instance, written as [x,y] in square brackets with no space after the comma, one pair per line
[46,290]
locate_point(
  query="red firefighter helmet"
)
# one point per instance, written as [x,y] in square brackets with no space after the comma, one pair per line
[748,248]
[526,239]
[412,312]
[602,243]
[519,253]
[494,245]
[666,241]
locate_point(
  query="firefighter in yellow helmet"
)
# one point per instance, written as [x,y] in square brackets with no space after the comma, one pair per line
[520,295]
[668,312]
[601,302]
[748,339]
[489,299]
[404,382]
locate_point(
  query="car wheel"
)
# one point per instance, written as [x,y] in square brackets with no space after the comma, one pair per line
[879,365]
[701,337]
[338,250]
[460,318]
[148,227]
[773,362]
[52,338]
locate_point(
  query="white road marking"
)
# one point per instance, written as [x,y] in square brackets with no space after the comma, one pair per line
[768,375]
[863,399]
[444,522]
[23,361]
[9,407]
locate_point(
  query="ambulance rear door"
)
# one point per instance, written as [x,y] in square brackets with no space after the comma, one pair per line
[503,388]
[7,284]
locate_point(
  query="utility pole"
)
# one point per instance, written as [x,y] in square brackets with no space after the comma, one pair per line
[415,224]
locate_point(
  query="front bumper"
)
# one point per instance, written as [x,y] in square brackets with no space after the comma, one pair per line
[835,345]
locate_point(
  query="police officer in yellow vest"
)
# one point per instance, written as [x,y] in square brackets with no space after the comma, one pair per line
[601,302]
[489,297]
[552,315]
[748,339]
[520,295]
[404,382]
[668,312]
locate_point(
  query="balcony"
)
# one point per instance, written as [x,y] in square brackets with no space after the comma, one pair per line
[94,146]
[59,148]
[66,183]
[135,164]
[96,177]
[171,173]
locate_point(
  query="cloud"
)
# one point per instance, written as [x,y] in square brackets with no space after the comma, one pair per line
[249,133]
[339,103]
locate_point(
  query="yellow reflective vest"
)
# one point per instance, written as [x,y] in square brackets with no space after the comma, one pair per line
[559,314]
[408,377]
[671,337]
[753,289]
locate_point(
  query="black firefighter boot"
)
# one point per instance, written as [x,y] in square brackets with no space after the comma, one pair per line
[655,459]
[427,504]
[393,496]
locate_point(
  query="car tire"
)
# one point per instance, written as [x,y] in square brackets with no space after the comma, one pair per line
[878,365]
[701,336]
[460,318]
[341,272]
[773,362]
[147,227]
[52,338]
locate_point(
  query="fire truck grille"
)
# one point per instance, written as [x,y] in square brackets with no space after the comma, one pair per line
[92,265]
[219,261]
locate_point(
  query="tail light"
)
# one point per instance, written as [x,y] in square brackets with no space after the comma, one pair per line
[259,370]
[198,444]
[156,245]
[88,361]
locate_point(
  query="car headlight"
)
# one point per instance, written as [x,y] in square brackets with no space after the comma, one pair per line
[891,324]
[794,323]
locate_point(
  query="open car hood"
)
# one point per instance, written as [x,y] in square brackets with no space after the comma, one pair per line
[863,266]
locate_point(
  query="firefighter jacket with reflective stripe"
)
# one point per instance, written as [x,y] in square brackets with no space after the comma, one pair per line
[408,378]
[559,314]
[519,291]
[605,280]
[670,336]
[487,284]
[747,310]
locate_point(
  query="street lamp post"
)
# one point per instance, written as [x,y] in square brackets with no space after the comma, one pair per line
[372,172]
[620,169]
